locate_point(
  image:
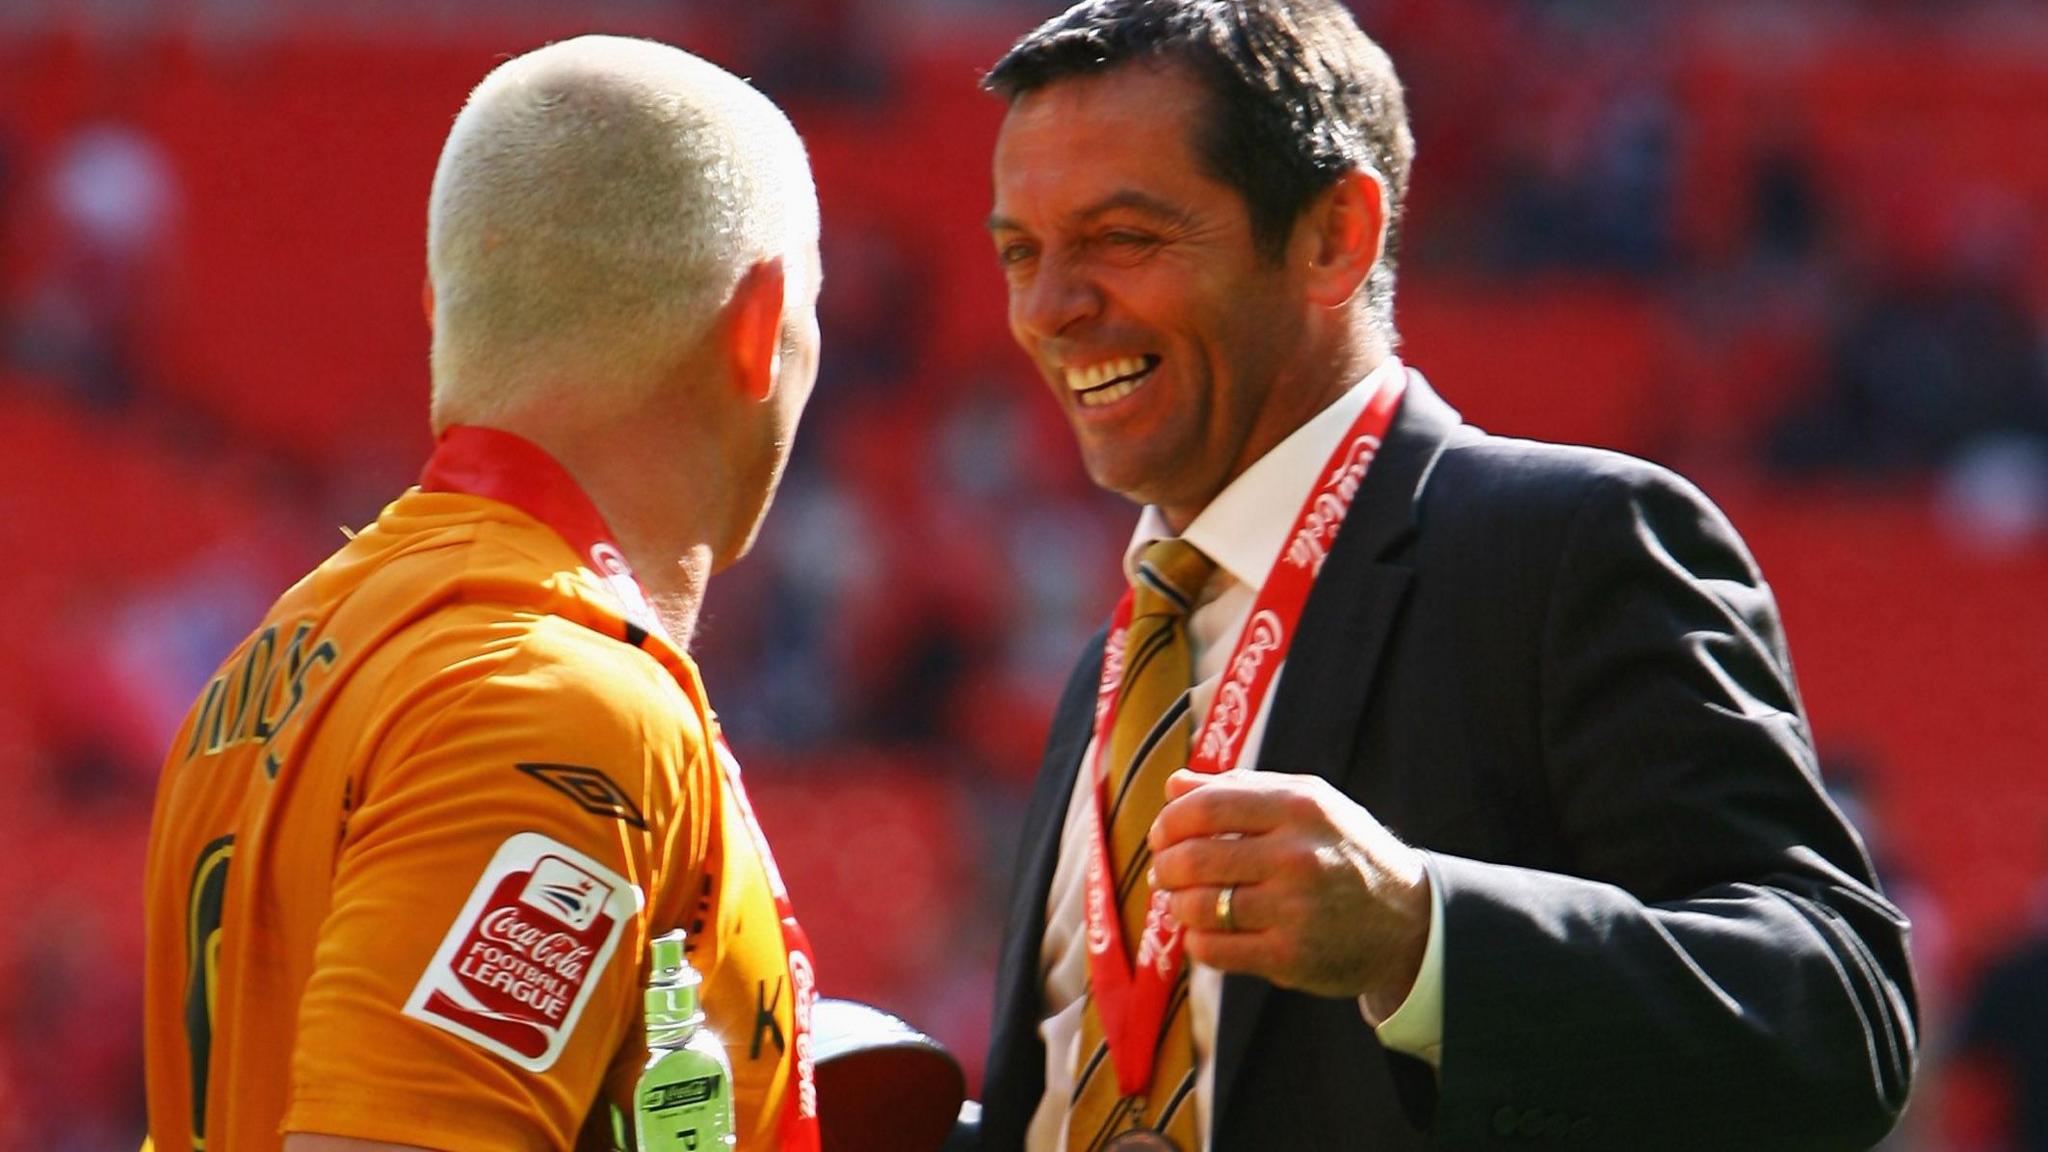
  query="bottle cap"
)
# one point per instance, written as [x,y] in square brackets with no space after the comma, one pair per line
[672,985]
[668,957]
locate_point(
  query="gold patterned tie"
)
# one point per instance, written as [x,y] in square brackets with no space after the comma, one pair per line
[1148,741]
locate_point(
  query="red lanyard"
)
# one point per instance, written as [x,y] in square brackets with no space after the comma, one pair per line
[1131,999]
[509,469]
[799,1127]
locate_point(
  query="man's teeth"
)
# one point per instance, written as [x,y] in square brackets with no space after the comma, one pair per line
[1109,395]
[1086,380]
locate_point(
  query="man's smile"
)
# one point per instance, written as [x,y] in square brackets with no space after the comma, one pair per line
[1110,380]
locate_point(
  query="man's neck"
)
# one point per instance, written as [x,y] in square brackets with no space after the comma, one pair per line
[1309,400]
[676,591]
[669,542]
[667,512]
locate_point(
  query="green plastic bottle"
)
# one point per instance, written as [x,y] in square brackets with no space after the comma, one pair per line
[683,1100]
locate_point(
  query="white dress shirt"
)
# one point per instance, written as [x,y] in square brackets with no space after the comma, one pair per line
[1242,530]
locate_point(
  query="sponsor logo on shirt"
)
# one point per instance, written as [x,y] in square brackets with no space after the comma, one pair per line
[525,953]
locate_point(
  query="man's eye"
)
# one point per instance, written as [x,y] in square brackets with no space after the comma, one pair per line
[1122,238]
[1014,253]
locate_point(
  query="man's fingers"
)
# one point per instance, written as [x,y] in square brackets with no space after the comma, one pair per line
[1201,909]
[1241,803]
[1252,953]
[1186,780]
[1211,862]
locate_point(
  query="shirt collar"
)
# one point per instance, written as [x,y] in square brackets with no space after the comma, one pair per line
[1246,525]
[512,470]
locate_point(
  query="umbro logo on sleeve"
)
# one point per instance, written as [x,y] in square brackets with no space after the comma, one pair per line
[592,790]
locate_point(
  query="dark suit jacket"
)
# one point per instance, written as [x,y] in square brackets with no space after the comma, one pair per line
[1559,671]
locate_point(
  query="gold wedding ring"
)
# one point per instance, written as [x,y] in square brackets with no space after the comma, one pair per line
[1226,916]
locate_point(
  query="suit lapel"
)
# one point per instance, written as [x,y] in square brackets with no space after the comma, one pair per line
[1016,1056]
[1054,791]
[1321,696]
[1322,691]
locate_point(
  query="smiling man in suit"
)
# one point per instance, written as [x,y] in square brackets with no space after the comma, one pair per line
[1503,822]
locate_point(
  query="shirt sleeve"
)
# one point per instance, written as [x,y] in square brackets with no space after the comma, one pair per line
[1416,1027]
[479,965]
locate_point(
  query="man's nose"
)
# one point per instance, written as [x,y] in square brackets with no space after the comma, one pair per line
[1051,301]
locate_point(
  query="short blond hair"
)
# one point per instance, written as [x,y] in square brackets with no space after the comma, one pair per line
[595,205]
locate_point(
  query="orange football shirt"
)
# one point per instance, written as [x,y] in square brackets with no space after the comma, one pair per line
[411,843]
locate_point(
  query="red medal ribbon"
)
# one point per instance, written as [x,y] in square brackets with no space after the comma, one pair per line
[512,470]
[1131,998]
[799,1129]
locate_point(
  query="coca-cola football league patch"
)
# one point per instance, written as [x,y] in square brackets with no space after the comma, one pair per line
[522,958]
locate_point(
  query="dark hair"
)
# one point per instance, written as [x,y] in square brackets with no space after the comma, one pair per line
[1300,96]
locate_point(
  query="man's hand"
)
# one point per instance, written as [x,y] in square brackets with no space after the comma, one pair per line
[1326,900]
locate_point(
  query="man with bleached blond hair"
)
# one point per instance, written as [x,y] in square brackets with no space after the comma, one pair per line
[413,840]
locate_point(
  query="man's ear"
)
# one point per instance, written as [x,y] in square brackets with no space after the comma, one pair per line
[427,299]
[1346,232]
[750,329]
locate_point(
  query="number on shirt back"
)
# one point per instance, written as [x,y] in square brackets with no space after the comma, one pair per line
[203,907]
